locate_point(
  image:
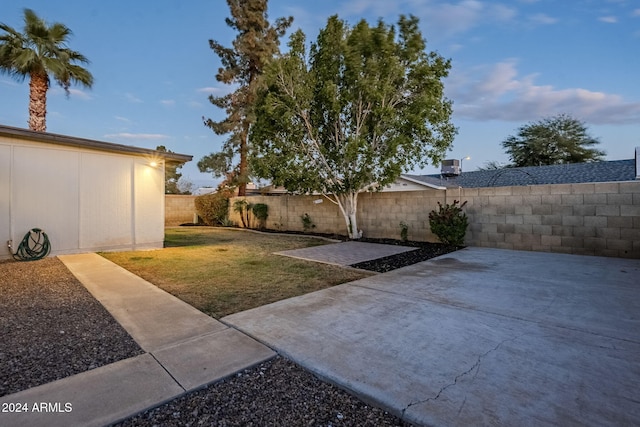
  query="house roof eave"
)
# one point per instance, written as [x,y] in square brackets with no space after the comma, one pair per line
[73,141]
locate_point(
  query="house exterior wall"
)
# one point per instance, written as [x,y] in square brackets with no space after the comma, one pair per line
[85,200]
[590,219]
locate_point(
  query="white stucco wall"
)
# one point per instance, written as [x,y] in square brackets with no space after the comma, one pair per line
[85,200]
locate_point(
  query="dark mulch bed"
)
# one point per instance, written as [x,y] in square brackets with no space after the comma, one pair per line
[424,252]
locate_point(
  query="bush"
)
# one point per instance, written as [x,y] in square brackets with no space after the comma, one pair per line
[213,208]
[404,231]
[307,222]
[261,213]
[449,223]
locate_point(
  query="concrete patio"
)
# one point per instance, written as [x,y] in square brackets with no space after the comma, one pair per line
[476,337]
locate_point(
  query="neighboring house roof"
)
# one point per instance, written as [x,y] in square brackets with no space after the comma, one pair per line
[571,173]
[399,185]
[73,141]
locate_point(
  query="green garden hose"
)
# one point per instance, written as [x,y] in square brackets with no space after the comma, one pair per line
[34,246]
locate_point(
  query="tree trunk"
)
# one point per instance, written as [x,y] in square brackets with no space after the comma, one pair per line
[38,86]
[348,204]
[242,168]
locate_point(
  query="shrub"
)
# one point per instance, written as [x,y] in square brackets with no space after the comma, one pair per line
[228,223]
[213,208]
[449,223]
[404,231]
[307,222]
[261,213]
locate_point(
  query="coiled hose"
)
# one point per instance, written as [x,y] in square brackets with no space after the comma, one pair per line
[34,246]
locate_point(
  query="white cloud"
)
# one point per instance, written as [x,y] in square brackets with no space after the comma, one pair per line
[9,82]
[444,18]
[80,94]
[376,7]
[608,19]
[168,102]
[73,92]
[454,18]
[501,94]
[209,89]
[542,19]
[636,12]
[132,98]
[145,136]
[122,119]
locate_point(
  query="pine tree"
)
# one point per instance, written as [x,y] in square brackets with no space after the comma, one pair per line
[255,45]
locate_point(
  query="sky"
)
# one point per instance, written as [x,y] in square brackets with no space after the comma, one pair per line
[513,62]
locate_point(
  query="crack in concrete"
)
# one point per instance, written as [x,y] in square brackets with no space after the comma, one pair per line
[476,367]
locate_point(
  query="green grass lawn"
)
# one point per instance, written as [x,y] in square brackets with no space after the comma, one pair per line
[221,271]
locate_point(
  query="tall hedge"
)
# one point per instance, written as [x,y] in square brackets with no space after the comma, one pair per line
[213,208]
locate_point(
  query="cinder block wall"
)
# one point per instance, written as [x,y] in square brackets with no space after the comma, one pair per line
[379,214]
[285,213]
[178,209]
[592,219]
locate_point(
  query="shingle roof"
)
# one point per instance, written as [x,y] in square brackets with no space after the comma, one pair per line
[572,173]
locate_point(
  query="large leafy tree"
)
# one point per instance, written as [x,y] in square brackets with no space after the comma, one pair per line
[40,52]
[365,104]
[255,45]
[550,141]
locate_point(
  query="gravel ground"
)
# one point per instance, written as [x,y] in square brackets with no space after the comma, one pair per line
[275,393]
[52,327]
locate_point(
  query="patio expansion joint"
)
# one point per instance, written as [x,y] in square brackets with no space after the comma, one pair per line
[475,367]
[168,372]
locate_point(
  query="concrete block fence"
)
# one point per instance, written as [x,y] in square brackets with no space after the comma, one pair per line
[591,219]
[179,209]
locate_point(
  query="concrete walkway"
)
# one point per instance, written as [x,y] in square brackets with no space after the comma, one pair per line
[186,350]
[476,337]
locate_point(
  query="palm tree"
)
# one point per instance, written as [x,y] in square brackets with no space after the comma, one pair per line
[39,52]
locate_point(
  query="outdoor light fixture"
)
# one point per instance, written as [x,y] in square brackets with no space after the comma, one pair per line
[154,162]
[464,158]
